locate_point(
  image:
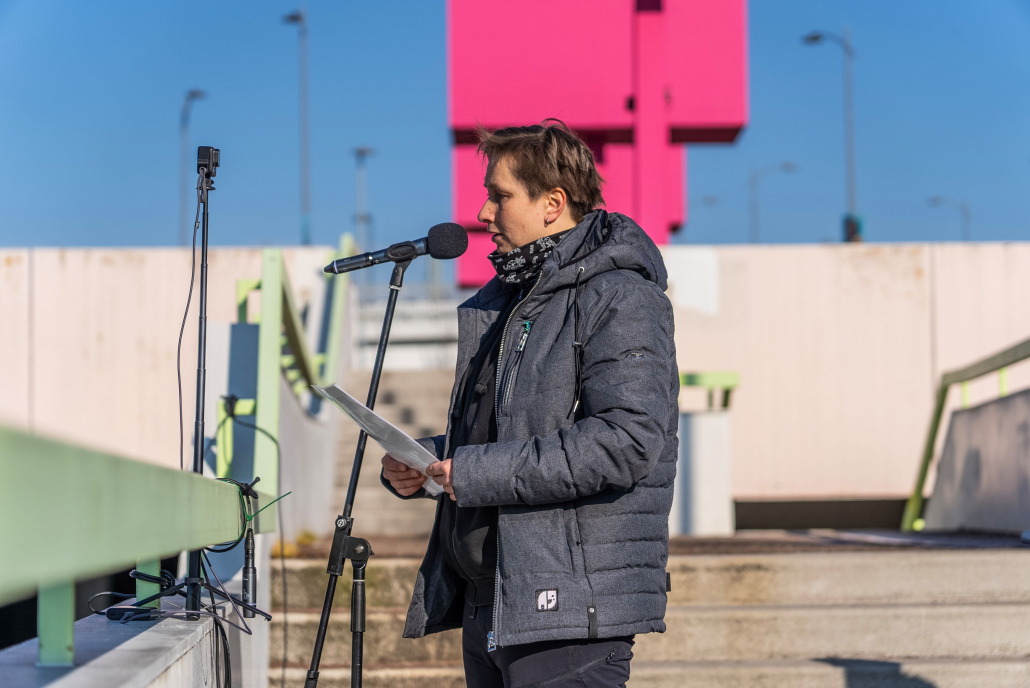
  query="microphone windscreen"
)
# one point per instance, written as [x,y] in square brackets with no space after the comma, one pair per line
[447,240]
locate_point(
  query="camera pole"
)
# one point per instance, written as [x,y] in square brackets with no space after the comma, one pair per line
[207,164]
[344,546]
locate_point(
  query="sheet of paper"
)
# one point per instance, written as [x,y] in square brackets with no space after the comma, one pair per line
[393,440]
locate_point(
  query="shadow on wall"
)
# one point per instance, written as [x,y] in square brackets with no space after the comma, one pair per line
[864,673]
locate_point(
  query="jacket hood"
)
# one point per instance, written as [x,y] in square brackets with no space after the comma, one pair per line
[601,242]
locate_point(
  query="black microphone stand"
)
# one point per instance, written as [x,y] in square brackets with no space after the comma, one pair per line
[344,546]
[193,580]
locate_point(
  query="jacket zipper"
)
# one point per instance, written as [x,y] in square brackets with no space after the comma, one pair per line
[509,383]
[491,637]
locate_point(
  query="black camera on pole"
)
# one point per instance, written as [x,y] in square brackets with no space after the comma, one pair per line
[207,161]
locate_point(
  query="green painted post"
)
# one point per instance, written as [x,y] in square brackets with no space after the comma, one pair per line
[340,284]
[268,375]
[965,394]
[55,624]
[243,289]
[145,589]
[1003,382]
[914,505]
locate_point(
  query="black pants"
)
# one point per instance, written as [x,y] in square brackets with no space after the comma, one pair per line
[601,663]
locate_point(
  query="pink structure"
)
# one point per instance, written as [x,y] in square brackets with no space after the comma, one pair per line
[637,79]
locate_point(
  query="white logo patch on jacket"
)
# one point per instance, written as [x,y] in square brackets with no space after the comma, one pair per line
[547,600]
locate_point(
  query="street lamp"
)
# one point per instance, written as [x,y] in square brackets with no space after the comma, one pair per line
[362,218]
[963,209]
[300,18]
[185,159]
[756,177]
[852,226]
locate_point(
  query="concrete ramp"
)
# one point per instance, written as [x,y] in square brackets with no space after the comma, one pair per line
[983,478]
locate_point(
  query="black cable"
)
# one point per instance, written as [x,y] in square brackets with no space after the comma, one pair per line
[227,672]
[189,297]
[221,549]
[165,580]
[225,638]
[89,602]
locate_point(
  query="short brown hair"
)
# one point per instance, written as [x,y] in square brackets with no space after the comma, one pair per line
[546,156]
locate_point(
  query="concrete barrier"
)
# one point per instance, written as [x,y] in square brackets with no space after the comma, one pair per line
[983,478]
[702,503]
[170,653]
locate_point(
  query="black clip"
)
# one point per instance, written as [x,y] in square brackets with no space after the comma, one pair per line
[345,547]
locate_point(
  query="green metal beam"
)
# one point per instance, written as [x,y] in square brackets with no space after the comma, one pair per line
[266,460]
[1002,359]
[243,289]
[711,379]
[70,513]
[725,380]
[294,329]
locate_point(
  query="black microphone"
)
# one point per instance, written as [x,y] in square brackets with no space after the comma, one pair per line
[445,241]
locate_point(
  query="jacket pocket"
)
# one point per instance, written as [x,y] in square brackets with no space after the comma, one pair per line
[573,539]
[508,383]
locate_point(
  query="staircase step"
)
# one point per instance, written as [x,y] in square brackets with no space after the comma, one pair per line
[393,677]
[831,672]
[832,578]
[887,576]
[388,583]
[729,634]
[383,641]
[861,631]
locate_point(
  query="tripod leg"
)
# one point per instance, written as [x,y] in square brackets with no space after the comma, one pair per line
[323,626]
[357,623]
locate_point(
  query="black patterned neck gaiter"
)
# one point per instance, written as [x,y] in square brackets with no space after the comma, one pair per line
[522,264]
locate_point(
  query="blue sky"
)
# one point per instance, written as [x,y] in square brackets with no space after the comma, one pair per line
[90,96]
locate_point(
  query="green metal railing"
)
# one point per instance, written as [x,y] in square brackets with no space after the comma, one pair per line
[714,382]
[998,363]
[71,513]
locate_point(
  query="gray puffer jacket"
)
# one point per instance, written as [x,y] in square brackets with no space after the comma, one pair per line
[583,489]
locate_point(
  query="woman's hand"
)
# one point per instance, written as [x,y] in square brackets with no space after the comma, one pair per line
[440,472]
[406,481]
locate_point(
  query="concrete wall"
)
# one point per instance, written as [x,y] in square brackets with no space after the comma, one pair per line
[89,339]
[839,348]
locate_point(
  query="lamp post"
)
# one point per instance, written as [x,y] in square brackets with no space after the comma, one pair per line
[753,182]
[362,218]
[963,209]
[185,160]
[300,18]
[852,225]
